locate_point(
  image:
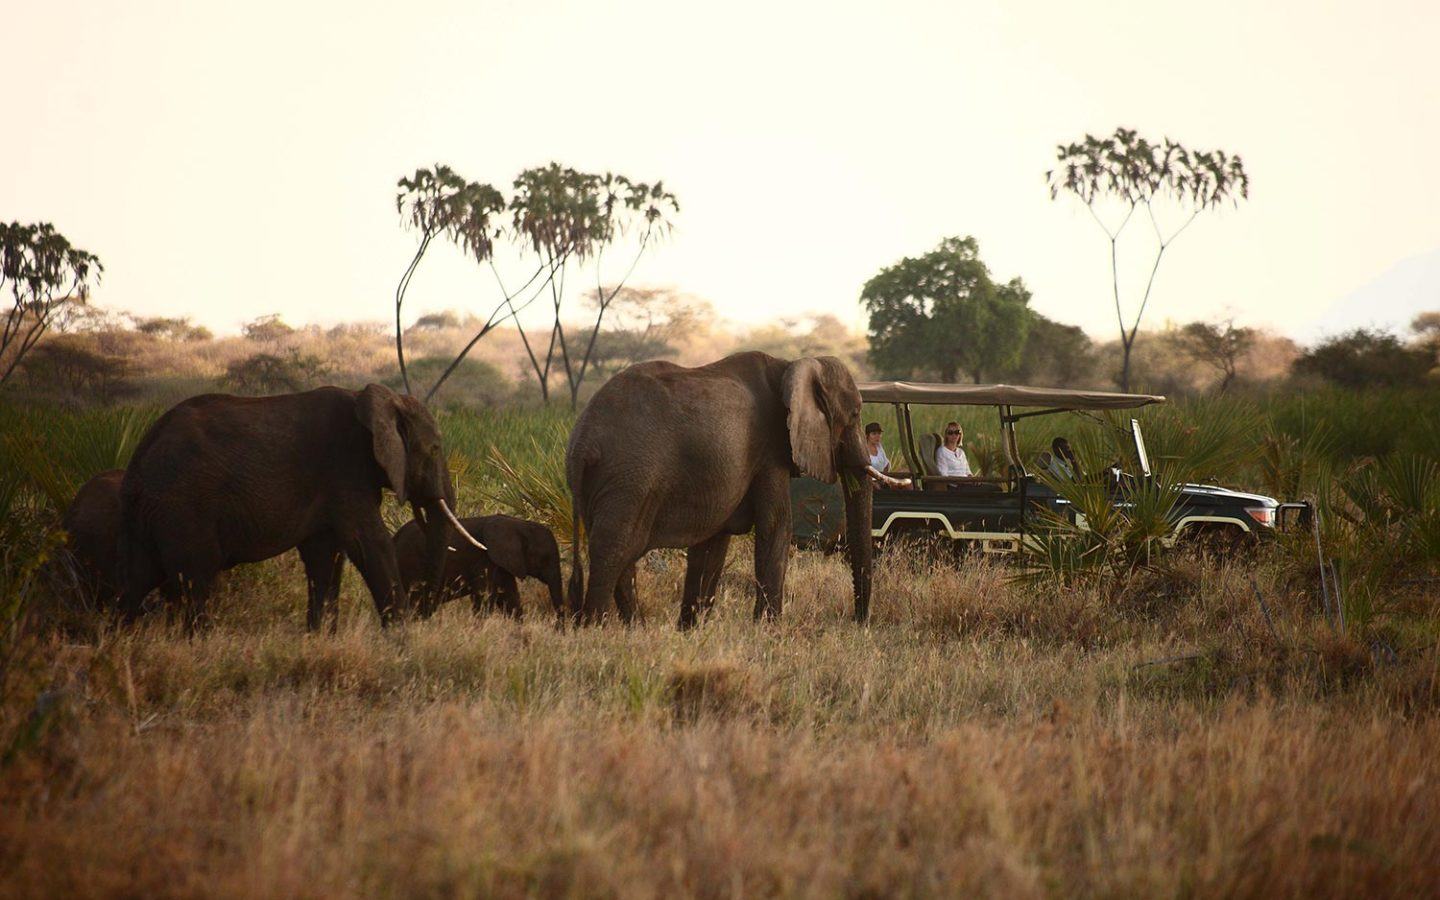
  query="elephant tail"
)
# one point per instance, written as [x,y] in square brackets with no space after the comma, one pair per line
[577,464]
[137,563]
[577,571]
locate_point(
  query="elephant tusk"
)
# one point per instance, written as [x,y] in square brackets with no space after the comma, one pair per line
[455,523]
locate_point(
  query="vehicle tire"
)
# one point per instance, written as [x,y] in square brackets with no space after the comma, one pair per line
[918,540]
[1221,541]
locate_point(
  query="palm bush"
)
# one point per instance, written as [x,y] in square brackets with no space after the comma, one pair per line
[1099,537]
[1212,439]
[513,461]
[533,487]
[58,452]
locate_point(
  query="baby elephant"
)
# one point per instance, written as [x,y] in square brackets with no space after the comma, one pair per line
[92,524]
[515,549]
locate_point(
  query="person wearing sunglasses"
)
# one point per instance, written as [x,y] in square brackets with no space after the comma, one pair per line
[950,459]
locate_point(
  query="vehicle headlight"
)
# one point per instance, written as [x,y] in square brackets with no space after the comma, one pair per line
[1265,515]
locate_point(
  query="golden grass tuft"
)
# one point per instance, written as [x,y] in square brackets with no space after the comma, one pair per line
[719,689]
[981,737]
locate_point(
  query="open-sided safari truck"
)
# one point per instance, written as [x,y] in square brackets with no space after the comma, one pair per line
[996,512]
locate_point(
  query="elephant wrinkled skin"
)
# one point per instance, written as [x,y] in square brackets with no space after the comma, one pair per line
[222,480]
[668,456]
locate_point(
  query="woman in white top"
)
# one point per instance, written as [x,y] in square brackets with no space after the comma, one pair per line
[878,459]
[950,459]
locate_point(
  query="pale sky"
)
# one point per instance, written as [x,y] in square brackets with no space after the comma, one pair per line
[226,160]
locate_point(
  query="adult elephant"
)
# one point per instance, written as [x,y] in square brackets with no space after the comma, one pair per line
[667,456]
[222,480]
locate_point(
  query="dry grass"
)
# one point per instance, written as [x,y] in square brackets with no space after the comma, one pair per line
[978,738]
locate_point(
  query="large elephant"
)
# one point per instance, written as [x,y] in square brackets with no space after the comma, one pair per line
[667,456]
[514,548]
[222,480]
[92,529]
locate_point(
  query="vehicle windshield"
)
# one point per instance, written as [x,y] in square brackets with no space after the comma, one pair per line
[1140,452]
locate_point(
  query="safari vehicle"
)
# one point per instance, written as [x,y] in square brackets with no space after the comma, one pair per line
[996,513]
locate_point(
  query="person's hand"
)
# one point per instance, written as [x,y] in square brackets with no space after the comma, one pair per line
[884,480]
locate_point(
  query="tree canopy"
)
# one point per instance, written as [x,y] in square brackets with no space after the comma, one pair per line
[1136,173]
[942,314]
[1218,345]
[1365,358]
[1054,354]
[42,272]
[558,216]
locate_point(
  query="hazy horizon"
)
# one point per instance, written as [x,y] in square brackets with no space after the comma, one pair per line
[227,162]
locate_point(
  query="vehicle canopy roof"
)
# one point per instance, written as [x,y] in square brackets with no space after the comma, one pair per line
[999,395]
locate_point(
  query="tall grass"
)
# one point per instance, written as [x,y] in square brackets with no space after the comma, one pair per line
[1187,726]
[978,738]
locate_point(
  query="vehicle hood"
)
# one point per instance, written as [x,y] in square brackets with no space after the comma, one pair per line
[1215,492]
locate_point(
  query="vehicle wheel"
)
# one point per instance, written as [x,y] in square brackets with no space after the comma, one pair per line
[918,541]
[1222,540]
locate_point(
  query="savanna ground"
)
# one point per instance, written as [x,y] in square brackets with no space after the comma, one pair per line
[1190,725]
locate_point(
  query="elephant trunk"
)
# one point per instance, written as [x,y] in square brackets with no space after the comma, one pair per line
[437,548]
[554,581]
[858,544]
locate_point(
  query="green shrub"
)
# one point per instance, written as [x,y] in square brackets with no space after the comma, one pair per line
[475,384]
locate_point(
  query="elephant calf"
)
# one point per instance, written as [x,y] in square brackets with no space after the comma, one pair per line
[92,526]
[515,549]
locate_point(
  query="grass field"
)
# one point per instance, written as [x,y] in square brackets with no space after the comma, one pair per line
[1193,727]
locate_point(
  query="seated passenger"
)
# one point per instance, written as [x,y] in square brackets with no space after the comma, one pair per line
[878,459]
[1062,459]
[950,459]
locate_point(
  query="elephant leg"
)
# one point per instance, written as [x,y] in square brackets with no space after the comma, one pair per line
[627,599]
[192,563]
[137,587]
[703,564]
[142,574]
[324,561]
[772,545]
[195,588]
[505,592]
[617,541]
[332,596]
[372,552]
[710,576]
[172,592]
[480,582]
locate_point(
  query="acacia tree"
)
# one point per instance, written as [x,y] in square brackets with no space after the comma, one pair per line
[438,201]
[42,273]
[1136,173]
[943,313]
[563,215]
[1218,345]
[557,215]
[645,323]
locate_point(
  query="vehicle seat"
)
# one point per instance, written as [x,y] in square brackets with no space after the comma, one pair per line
[976,487]
[929,443]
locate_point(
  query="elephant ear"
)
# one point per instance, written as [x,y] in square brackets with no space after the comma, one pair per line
[807,421]
[378,410]
[505,548]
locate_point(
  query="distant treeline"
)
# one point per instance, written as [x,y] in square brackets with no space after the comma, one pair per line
[97,356]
